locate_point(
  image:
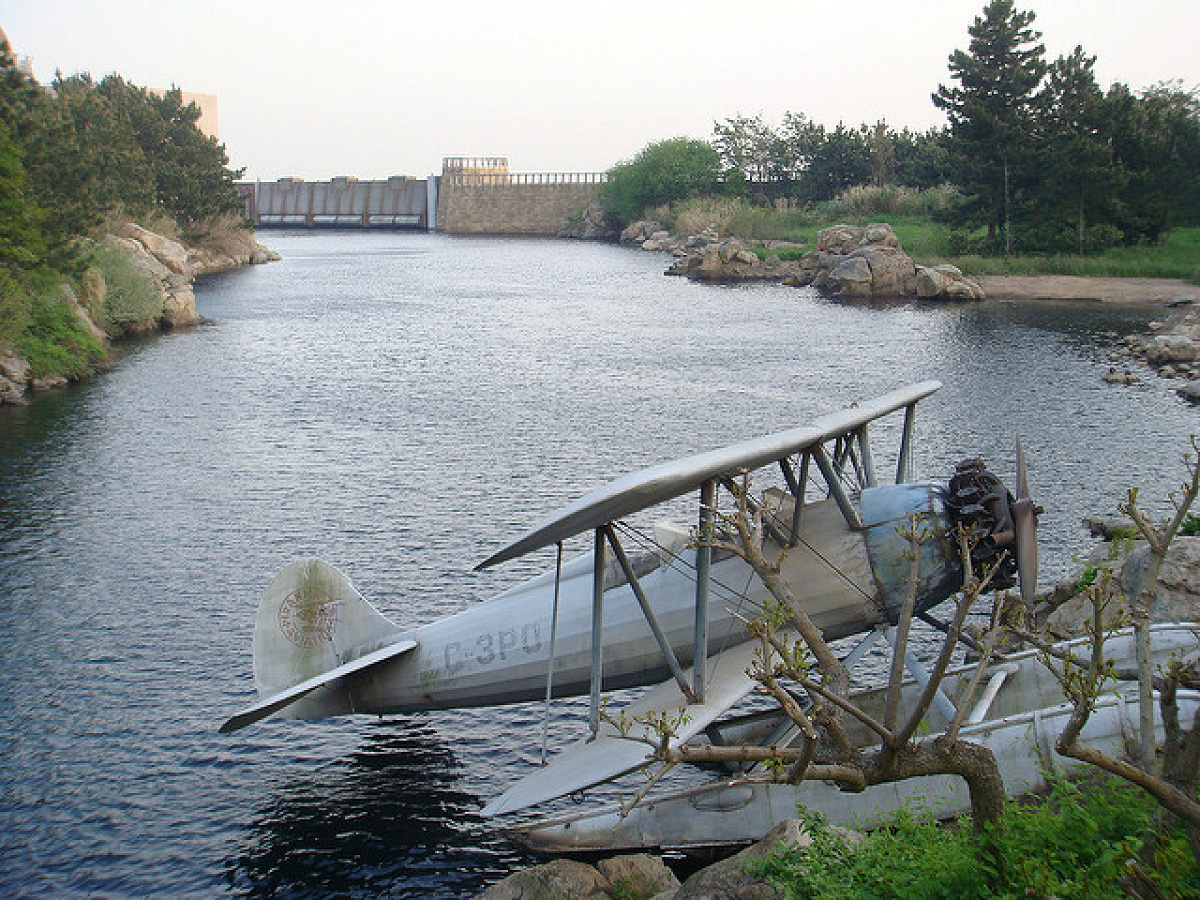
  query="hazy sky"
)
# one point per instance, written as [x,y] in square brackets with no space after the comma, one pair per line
[371,89]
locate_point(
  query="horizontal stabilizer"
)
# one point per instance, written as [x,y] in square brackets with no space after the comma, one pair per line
[609,755]
[276,702]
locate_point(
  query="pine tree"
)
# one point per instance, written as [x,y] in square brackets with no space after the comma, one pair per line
[1079,177]
[990,111]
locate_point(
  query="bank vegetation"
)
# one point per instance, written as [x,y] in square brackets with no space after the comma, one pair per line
[80,160]
[1039,170]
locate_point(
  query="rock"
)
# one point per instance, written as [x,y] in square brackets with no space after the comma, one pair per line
[179,307]
[14,377]
[727,879]
[1176,596]
[892,271]
[857,262]
[1118,376]
[640,231]
[1172,347]
[591,225]
[638,875]
[1190,392]
[169,253]
[562,879]
[852,277]
[13,367]
[49,383]
[945,282]
[840,239]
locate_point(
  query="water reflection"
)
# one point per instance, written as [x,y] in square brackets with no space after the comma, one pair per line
[388,819]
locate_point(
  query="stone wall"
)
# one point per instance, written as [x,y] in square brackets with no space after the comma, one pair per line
[512,205]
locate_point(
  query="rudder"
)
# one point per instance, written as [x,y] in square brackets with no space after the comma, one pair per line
[310,620]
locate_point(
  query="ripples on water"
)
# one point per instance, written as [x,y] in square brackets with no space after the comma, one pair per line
[401,405]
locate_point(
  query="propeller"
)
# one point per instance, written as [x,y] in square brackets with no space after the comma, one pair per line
[1024,514]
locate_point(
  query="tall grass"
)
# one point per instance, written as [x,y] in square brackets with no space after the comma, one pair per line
[927,241]
[130,295]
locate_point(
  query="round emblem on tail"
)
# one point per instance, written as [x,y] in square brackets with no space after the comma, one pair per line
[308,622]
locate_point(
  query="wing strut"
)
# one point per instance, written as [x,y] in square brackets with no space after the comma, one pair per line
[597,631]
[904,463]
[708,496]
[651,619]
[550,667]
[835,488]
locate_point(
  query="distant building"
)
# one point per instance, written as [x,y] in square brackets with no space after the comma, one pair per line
[482,168]
[24,63]
[207,103]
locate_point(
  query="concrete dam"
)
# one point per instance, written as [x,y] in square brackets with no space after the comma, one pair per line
[473,195]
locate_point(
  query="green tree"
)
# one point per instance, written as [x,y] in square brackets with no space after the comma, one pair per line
[990,112]
[1073,206]
[842,160]
[1155,139]
[84,160]
[190,170]
[661,172]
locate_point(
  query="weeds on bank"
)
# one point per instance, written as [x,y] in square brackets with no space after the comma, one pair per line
[928,242]
[1076,843]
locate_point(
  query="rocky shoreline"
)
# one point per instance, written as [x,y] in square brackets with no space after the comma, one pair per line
[868,263]
[168,264]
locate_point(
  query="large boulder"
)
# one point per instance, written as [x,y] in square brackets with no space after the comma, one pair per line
[852,277]
[169,253]
[1176,595]
[727,879]
[842,239]
[562,879]
[946,282]
[858,262]
[638,875]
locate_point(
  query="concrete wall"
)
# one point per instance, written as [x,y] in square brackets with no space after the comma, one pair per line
[516,204]
[398,202]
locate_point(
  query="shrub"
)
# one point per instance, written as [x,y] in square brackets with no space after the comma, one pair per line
[131,295]
[1073,844]
[661,173]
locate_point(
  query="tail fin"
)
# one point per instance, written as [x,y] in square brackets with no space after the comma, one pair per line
[311,620]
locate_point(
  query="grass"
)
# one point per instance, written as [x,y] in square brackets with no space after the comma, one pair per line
[1076,843]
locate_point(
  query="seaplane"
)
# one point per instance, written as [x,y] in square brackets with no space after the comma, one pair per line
[651,606]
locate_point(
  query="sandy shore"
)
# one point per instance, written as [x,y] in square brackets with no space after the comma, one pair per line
[1140,291]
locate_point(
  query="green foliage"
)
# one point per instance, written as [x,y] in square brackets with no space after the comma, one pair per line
[1190,526]
[784,253]
[192,180]
[625,888]
[990,114]
[1074,844]
[55,342]
[131,294]
[661,173]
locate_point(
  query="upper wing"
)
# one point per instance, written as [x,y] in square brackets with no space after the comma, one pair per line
[639,490]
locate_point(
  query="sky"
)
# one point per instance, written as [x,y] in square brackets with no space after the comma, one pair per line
[370,88]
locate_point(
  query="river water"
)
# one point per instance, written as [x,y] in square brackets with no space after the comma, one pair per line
[401,405]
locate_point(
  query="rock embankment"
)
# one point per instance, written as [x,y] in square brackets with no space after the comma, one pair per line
[1171,347]
[165,263]
[642,875]
[849,262]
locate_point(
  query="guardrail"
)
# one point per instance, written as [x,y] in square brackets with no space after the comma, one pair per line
[471,179]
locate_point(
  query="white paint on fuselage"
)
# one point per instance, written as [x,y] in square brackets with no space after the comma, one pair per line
[497,652]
